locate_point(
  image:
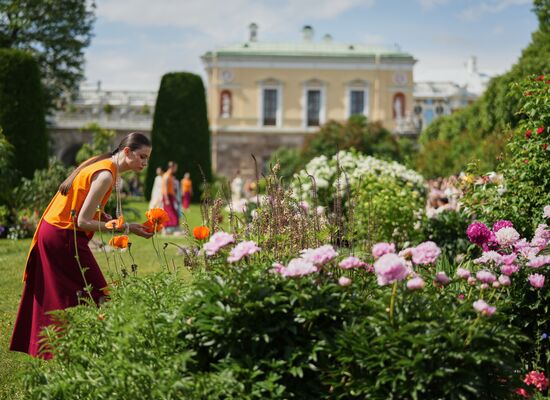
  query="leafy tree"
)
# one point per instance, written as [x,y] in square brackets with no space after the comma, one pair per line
[100,144]
[180,129]
[22,110]
[56,32]
[7,177]
[478,132]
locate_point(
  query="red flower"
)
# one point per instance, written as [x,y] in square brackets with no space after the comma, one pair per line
[548,81]
[545,146]
[201,232]
[538,379]
[522,392]
[528,134]
[150,225]
[526,161]
[540,78]
[540,129]
[155,216]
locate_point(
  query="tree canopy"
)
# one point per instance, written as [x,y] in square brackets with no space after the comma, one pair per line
[56,32]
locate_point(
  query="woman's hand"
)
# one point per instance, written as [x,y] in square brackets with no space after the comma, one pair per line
[140,230]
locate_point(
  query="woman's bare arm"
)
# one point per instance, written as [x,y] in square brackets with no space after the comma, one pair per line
[101,182]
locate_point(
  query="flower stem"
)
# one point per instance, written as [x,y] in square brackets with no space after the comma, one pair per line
[392,300]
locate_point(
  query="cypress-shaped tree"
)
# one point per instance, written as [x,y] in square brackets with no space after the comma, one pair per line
[22,110]
[180,130]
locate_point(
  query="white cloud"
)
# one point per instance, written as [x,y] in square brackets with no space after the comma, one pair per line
[221,19]
[429,4]
[489,7]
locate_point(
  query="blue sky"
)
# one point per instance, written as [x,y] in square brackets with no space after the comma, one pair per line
[137,41]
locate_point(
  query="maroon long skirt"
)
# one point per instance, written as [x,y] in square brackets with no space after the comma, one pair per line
[54,282]
[170,208]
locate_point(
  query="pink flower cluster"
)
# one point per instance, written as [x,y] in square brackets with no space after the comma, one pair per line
[537,379]
[319,256]
[483,308]
[503,223]
[478,233]
[390,268]
[379,249]
[351,262]
[546,212]
[425,253]
[507,236]
[416,283]
[243,249]
[296,267]
[217,241]
[536,280]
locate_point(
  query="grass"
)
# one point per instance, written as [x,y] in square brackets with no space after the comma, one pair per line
[12,262]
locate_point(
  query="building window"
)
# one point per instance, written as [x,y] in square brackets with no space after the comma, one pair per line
[313,107]
[398,106]
[357,102]
[270,107]
[225,104]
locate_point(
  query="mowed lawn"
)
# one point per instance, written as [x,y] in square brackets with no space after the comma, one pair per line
[12,261]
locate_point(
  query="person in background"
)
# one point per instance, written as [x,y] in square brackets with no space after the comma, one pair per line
[60,266]
[187,191]
[169,197]
[156,192]
[177,190]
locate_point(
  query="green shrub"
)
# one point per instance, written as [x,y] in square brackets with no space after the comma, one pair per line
[448,230]
[101,142]
[384,200]
[526,170]
[22,110]
[8,175]
[180,130]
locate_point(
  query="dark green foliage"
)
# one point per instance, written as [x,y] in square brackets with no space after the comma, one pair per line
[101,142]
[22,110]
[56,32]
[180,130]
[242,332]
[448,230]
[8,175]
[478,132]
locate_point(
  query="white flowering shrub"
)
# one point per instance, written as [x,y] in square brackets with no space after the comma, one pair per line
[386,198]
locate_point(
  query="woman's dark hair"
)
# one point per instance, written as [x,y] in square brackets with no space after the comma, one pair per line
[134,141]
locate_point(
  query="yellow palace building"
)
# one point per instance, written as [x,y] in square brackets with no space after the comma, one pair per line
[262,96]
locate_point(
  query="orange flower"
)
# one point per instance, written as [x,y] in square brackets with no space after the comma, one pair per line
[201,232]
[115,223]
[157,215]
[150,225]
[119,242]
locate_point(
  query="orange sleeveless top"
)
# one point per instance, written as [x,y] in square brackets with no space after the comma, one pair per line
[186,185]
[168,184]
[58,212]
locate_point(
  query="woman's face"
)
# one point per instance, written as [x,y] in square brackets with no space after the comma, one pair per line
[138,159]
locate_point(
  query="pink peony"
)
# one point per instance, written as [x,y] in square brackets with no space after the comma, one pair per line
[504,280]
[537,379]
[351,262]
[390,268]
[509,259]
[319,256]
[507,236]
[472,281]
[478,233]
[379,249]
[485,276]
[217,241]
[483,308]
[304,205]
[344,281]
[441,277]
[539,261]
[503,223]
[536,280]
[463,273]
[489,256]
[278,268]
[425,253]
[509,269]
[484,286]
[546,212]
[529,252]
[407,253]
[415,283]
[243,249]
[299,267]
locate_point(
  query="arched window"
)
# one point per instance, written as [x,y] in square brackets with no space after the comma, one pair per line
[226,104]
[398,106]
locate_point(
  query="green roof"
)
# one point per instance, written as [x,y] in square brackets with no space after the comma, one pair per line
[305,49]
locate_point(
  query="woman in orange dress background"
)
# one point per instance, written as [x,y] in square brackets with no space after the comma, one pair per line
[169,196]
[53,279]
[187,190]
